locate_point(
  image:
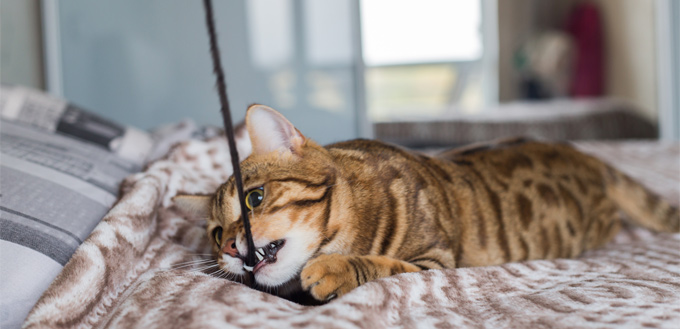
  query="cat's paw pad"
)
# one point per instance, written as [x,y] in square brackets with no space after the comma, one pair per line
[328,276]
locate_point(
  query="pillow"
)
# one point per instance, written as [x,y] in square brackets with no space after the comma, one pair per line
[60,171]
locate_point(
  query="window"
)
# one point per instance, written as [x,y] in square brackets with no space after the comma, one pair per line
[423,59]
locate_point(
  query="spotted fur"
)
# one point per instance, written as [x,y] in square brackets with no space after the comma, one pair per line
[360,210]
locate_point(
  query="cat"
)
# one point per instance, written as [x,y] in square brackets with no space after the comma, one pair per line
[328,219]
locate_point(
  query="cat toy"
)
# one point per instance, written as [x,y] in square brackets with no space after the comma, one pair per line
[229,131]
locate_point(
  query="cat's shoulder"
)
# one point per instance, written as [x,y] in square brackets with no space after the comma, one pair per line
[368,146]
[362,144]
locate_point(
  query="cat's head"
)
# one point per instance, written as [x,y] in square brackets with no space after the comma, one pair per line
[288,182]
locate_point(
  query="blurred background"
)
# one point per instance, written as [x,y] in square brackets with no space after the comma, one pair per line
[421,73]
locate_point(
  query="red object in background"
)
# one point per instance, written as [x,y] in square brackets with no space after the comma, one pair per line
[585,26]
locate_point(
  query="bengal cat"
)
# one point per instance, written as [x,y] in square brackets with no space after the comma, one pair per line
[328,219]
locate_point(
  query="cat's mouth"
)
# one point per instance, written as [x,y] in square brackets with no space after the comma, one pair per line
[266,255]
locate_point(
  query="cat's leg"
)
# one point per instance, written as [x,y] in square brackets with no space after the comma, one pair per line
[329,276]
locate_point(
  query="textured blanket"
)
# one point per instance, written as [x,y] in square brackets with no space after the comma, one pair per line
[129,272]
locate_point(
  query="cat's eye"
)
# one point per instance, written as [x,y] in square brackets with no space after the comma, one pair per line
[254,197]
[217,235]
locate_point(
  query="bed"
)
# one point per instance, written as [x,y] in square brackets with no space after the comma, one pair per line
[129,272]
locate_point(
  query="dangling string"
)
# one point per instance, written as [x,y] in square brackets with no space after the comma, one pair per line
[229,129]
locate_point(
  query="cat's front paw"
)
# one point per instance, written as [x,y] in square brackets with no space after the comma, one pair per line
[328,276]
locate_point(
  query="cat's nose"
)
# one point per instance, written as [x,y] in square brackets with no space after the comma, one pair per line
[230,248]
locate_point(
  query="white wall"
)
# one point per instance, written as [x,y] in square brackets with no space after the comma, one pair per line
[668,68]
[514,24]
[20,43]
[630,34]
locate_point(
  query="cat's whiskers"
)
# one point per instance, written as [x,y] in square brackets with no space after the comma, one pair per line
[197,263]
[187,266]
[215,272]
[192,263]
[226,275]
[202,269]
[196,260]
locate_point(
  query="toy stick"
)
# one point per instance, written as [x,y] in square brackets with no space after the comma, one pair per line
[229,130]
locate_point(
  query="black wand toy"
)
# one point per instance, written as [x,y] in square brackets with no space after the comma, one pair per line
[229,130]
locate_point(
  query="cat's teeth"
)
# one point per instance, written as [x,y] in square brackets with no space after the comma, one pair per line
[247,268]
[259,255]
[261,251]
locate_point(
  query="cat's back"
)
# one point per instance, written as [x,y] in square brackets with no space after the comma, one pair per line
[502,156]
[505,156]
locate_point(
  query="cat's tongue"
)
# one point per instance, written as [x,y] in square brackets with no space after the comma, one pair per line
[259,265]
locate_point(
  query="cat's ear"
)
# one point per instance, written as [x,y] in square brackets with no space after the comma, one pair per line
[270,131]
[196,206]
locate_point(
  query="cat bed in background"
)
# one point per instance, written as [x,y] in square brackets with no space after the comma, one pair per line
[564,119]
[126,272]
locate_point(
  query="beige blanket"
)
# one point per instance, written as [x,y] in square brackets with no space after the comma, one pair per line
[128,272]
